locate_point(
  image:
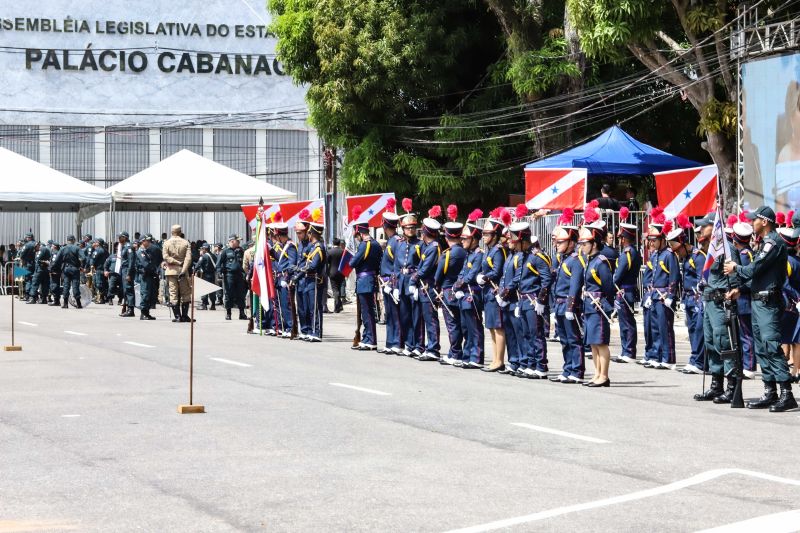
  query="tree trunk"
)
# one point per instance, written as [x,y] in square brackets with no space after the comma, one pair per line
[723,152]
[574,84]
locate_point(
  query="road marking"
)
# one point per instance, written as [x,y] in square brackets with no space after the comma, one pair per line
[75,333]
[560,433]
[70,416]
[228,361]
[362,389]
[29,324]
[139,344]
[624,498]
[785,522]
[8,526]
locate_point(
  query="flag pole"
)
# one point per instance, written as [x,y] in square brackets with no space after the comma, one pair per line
[191,407]
[13,347]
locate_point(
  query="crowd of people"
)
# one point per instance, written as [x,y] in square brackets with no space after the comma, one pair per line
[740,307]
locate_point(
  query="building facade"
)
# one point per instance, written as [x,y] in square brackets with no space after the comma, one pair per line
[101,90]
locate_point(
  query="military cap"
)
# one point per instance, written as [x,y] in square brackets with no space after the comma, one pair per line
[70,238]
[233,237]
[316,227]
[390,220]
[520,230]
[124,234]
[452,230]
[281,228]
[742,232]
[764,212]
[431,227]
[29,235]
[205,246]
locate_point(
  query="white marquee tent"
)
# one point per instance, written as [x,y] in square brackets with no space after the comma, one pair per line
[186,181]
[27,185]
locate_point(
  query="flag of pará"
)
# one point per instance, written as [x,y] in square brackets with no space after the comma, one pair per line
[349,249]
[718,245]
[259,284]
[373,205]
[289,210]
[555,188]
[691,191]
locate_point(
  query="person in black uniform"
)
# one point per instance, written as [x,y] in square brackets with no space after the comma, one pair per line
[126,266]
[69,260]
[27,255]
[147,263]
[41,275]
[112,275]
[230,265]
[55,275]
[206,269]
[98,264]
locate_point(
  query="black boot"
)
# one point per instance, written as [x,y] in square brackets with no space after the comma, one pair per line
[124,310]
[727,396]
[786,401]
[66,303]
[242,315]
[78,303]
[770,397]
[185,313]
[177,312]
[213,306]
[43,301]
[55,303]
[128,313]
[31,300]
[227,314]
[203,307]
[713,391]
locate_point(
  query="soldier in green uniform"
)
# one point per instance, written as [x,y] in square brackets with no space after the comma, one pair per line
[765,276]
[715,329]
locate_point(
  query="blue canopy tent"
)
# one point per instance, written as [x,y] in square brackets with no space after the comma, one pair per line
[615,152]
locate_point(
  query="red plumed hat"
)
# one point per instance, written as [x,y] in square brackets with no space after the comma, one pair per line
[683,221]
[590,215]
[356,212]
[390,205]
[435,211]
[474,215]
[407,205]
[623,213]
[521,211]
[452,212]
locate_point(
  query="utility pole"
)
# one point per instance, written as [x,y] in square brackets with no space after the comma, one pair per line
[331,215]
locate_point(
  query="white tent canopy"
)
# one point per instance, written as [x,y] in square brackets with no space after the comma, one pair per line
[185,179]
[28,185]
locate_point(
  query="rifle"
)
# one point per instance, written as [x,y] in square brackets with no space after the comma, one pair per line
[732,322]
[357,336]
[293,308]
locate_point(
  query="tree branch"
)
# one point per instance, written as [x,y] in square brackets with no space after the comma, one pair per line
[670,42]
[722,55]
[659,65]
[708,80]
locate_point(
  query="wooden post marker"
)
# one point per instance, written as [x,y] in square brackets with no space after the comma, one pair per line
[13,347]
[191,408]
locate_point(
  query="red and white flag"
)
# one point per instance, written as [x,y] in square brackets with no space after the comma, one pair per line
[288,210]
[555,188]
[691,191]
[374,205]
[259,281]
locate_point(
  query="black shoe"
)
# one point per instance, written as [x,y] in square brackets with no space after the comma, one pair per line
[786,401]
[65,305]
[713,391]
[185,313]
[213,307]
[242,315]
[606,383]
[727,396]
[203,307]
[147,316]
[55,303]
[78,303]
[495,369]
[769,397]
[228,314]
[44,302]
[31,301]
[176,311]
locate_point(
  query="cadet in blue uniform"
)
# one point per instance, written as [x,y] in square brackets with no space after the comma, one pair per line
[765,276]
[626,282]
[665,282]
[568,304]
[287,256]
[28,259]
[310,280]
[650,355]
[472,296]
[391,305]
[230,265]
[491,272]
[407,258]
[422,283]
[507,299]
[366,263]
[303,314]
[692,262]
[534,291]
[68,260]
[597,292]
[451,263]
[742,234]
[41,275]
[790,334]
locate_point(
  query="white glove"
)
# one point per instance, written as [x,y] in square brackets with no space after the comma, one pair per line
[284,284]
[682,306]
[797,306]
[500,300]
[517,312]
[414,293]
[481,279]
[668,302]
[647,303]
[387,289]
[569,315]
[396,294]
[458,294]
[539,308]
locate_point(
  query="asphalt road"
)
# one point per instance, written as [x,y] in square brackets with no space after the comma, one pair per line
[316,437]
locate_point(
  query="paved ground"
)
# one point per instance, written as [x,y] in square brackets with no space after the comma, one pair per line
[90,439]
